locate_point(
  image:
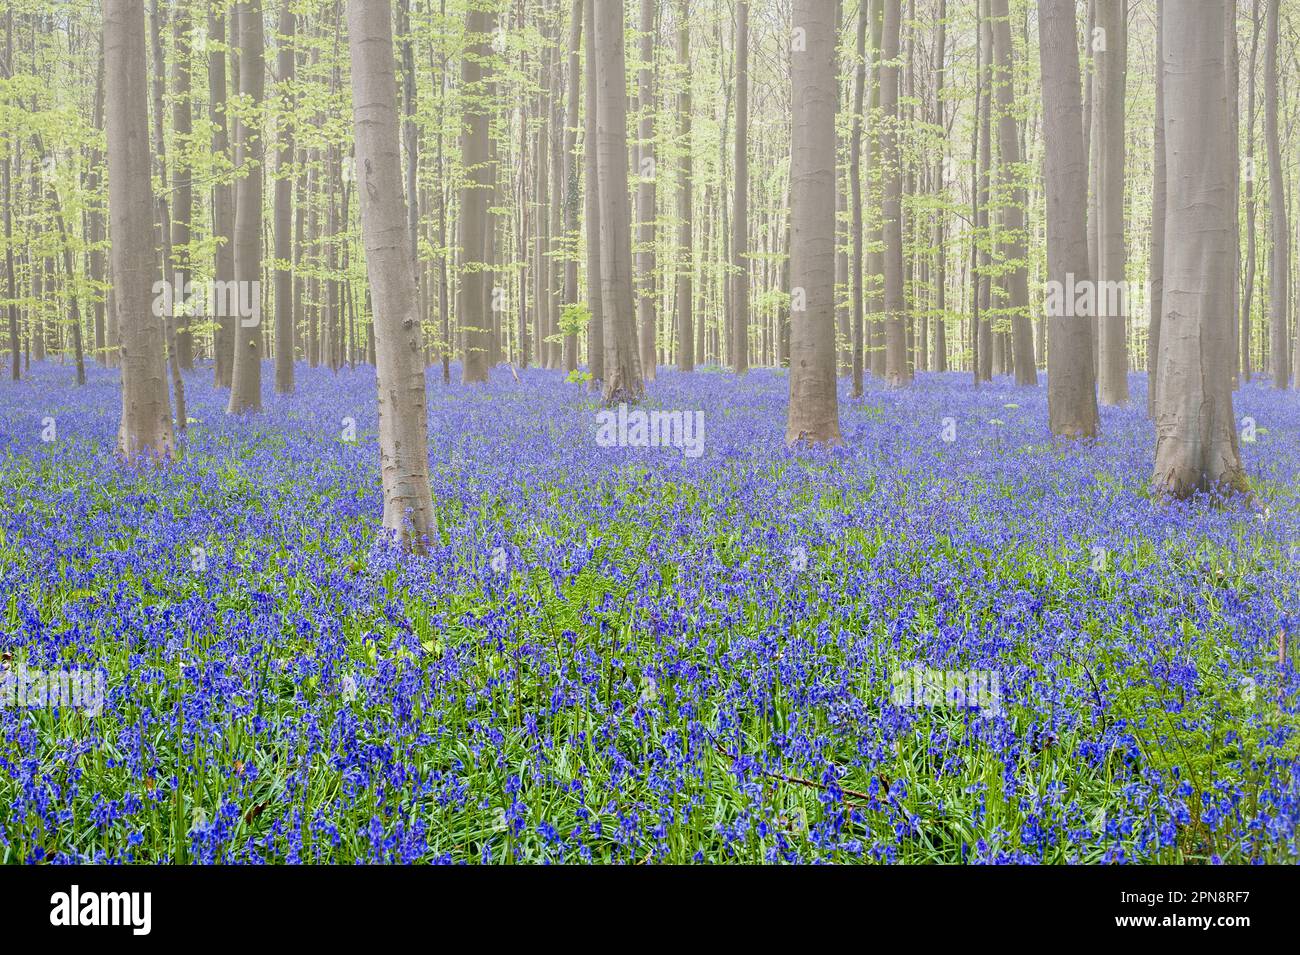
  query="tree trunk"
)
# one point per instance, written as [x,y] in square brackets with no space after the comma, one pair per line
[146,429]
[554,264]
[444,284]
[542,252]
[399,347]
[284,305]
[898,370]
[164,215]
[1014,245]
[813,415]
[1112,319]
[876,256]
[941,258]
[183,193]
[572,190]
[223,196]
[246,383]
[1071,392]
[622,363]
[1251,175]
[740,214]
[1280,260]
[1159,185]
[855,188]
[984,278]
[1232,72]
[591,207]
[14,347]
[475,197]
[1196,432]
[646,197]
[685,184]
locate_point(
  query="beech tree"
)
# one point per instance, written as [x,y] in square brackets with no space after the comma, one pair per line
[399,348]
[740,215]
[1071,391]
[591,168]
[813,414]
[622,369]
[855,185]
[1196,429]
[1159,185]
[223,196]
[1108,132]
[647,198]
[1279,234]
[898,369]
[284,299]
[685,206]
[1013,206]
[183,198]
[146,429]
[475,199]
[246,381]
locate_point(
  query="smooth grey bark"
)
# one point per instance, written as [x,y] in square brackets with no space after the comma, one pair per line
[623,382]
[843,240]
[813,413]
[898,369]
[182,191]
[1112,69]
[1015,251]
[1071,392]
[554,265]
[105,346]
[874,305]
[246,382]
[646,193]
[223,196]
[855,189]
[1196,431]
[399,348]
[740,214]
[1279,235]
[284,304]
[941,258]
[475,197]
[983,284]
[146,428]
[441,192]
[542,273]
[542,298]
[10,278]
[1248,290]
[158,92]
[1232,72]
[1089,97]
[411,142]
[591,208]
[685,185]
[1159,185]
[572,188]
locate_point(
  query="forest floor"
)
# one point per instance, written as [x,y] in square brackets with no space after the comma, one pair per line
[632,654]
